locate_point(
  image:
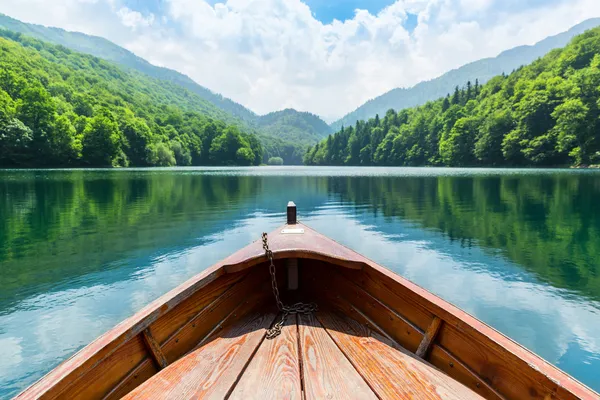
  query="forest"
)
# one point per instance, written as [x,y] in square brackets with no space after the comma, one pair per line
[543,114]
[60,108]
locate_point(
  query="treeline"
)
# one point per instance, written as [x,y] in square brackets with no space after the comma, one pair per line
[544,114]
[62,108]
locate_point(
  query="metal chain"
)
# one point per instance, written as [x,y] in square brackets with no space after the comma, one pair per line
[298,308]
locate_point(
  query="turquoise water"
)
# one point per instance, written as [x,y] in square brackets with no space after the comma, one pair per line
[81,250]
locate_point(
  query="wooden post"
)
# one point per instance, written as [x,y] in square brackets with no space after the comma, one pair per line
[429,337]
[292,273]
[291,213]
[154,347]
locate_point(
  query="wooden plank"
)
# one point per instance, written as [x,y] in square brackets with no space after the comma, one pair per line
[112,370]
[139,375]
[154,348]
[274,372]
[395,325]
[429,337]
[525,363]
[327,373]
[439,357]
[388,293]
[255,287]
[391,372]
[446,362]
[180,315]
[78,367]
[211,371]
[497,368]
[146,369]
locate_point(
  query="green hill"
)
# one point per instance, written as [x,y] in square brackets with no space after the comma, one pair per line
[544,114]
[63,108]
[107,50]
[288,133]
[284,134]
[483,70]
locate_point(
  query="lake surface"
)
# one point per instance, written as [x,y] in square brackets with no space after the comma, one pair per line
[81,250]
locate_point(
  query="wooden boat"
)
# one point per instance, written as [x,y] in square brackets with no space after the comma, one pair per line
[375,336]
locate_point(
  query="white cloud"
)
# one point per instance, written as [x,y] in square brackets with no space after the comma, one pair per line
[134,19]
[272,54]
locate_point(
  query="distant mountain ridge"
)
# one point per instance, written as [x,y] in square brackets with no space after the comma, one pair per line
[299,129]
[483,69]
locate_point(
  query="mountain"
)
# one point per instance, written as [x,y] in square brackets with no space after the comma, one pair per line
[284,134]
[288,133]
[543,114]
[107,50]
[483,70]
[60,108]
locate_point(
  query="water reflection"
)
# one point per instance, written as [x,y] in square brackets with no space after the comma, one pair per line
[82,250]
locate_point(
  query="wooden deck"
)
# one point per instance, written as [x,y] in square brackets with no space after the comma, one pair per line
[322,356]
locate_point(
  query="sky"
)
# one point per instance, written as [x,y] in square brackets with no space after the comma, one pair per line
[323,56]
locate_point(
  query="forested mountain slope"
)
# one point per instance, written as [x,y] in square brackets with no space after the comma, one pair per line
[62,108]
[483,70]
[288,133]
[107,50]
[544,114]
[282,133]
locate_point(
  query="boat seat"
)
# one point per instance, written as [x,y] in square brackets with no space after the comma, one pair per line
[322,356]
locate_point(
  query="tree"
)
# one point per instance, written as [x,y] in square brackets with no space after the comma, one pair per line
[36,110]
[488,146]
[275,161]
[161,155]
[224,148]
[101,141]
[15,140]
[457,148]
[181,153]
[572,130]
[65,143]
[138,137]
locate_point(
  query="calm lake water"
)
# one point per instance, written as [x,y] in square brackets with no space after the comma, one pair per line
[81,250]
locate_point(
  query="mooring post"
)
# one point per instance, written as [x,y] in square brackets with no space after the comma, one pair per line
[291,213]
[292,263]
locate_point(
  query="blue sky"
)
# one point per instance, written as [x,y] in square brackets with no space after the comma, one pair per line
[323,10]
[274,54]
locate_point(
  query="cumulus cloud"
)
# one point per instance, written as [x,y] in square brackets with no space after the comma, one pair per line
[134,19]
[272,54]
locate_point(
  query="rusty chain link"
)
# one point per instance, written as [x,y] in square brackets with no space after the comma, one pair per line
[298,308]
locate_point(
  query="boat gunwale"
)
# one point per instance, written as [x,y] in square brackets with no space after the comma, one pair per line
[247,257]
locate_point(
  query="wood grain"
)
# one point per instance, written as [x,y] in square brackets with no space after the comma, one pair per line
[254,287]
[327,373]
[180,315]
[477,348]
[393,373]
[80,369]
[388,292]
[154,348]
[395,325]
[111,371]
[274,372]
[499,369]
[429,337]
[440,358]
[139,375]
[309,245]
[211,371]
